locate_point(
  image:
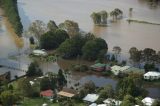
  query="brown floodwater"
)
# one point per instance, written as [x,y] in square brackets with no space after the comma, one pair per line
[121,33]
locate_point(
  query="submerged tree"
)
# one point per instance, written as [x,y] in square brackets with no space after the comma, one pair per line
[71,27]
[117,50]
[115,13]
[99,17]
[52,25]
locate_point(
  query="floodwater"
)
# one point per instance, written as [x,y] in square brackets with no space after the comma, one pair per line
[120,33]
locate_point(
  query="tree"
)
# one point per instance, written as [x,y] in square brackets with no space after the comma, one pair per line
[115,13]
[92,48]
[156,103]
[107,92]
[96,17]
[128,101]
[8,98]
[135,55]
[52,25]
[117,50]
[71,27]
[72,47]
[34,70]
[37,28]
[48,83]
[31,39]
[25,87]
[61,79]
[52,39]
[149,67]
[147,54]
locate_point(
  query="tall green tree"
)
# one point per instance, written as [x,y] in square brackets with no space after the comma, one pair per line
[52,25]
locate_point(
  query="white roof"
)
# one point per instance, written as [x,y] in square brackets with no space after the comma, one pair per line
[44,104]
[39,52]
[110,100]
[148,101]
[152,73]
[93,104]
[31,82]
[102,105]
[116,67]
[91,97]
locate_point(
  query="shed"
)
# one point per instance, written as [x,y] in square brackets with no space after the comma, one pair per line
[47,94]
[39,53]
[98,67]
[91,98]
[66,92]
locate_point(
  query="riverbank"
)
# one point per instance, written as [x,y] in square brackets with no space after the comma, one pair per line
[18,40]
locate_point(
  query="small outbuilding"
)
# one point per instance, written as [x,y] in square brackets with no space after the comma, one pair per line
[66,92]
[47,94]
[111,102]
[91,98]
[98,67]
[151,75]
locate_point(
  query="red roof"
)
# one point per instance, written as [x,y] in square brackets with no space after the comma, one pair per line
[47,93]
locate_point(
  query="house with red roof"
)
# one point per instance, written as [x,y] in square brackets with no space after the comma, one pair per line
[47,94]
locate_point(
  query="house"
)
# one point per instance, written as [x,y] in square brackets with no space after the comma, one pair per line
[91,98]
[47,94]
[66,92]
[116,69]
[98,67]
[111,102]
[126,69]
[148,101]
[39,52]
[151,75]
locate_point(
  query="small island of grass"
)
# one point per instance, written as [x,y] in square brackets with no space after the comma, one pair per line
[140,21]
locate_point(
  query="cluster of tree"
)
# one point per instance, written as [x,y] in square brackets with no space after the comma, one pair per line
[11,11]
[148,55]
[100,18]
[34,70]
[87,46]
[39,28]
[131,85]
[52,39]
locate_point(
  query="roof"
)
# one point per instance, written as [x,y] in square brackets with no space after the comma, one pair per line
[66,92]
[110,100]
[115,67]
[93,104]
[152,73]
[39,52]
[102,105]
[148,101]
[98,65]
[91,97]
[47,93]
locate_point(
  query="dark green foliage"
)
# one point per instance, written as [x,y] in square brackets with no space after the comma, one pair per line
[53,39]
[149,67]
[11,11]
[25,87]
[72,47]
[8,98]
[94,48]
[107,92]
[47,83]
[61,79]
[34,70]
[31,39]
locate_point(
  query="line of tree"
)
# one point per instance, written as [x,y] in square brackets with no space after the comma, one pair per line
[100,18]
[11,11]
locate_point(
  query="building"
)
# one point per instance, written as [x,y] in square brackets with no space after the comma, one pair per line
[39,53]
[91,98]
[98,67]
[111,102]
[151,75]
[47,94]
[66,92]
[126,69]
[148,101]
